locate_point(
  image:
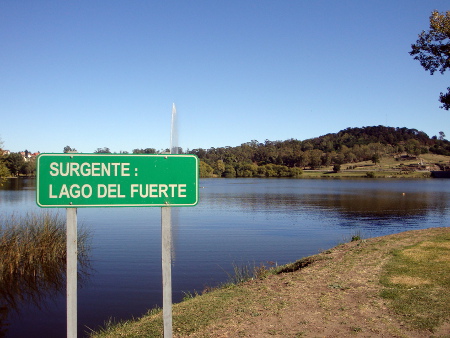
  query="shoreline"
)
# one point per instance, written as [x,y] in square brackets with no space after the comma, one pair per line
[332,294]
[316,173]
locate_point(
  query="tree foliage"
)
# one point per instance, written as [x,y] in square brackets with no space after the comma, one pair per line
[432,49]
[145,151]
[104,150]
[68,149]
[337,168]
[288,158]
[28,168]
[14,163]
[4,171]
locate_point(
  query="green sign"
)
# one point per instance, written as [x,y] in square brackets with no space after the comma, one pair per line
[116,180]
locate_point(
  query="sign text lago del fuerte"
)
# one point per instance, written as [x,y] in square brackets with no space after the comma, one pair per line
[113,180]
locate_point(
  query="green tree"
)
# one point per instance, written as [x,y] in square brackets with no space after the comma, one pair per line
[104,150]
[14,162]
[327,158]
[28,168]
[339,158]
[296,172]
[4,172]
[205,170]
[304,159]
[68,149]
[413,147]
[246,170]
[229,171]
[432,49]
[337,168]
[282,171]
[219,168]
[376,158]
[315,159]
[145,151]
[307,145]
[261,171]
[270,170]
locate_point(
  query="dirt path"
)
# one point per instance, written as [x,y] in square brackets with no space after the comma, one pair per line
[336,296]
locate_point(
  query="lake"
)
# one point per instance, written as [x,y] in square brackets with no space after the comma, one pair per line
[237,221]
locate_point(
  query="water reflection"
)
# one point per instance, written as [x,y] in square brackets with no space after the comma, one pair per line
[12,193]
[380,204]
[362,202]
[19,184]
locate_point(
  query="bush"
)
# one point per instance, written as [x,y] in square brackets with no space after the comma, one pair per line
[296,172]
[205,170]
[229,172]
[370,174]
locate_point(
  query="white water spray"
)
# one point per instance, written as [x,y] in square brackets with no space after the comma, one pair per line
[174,149]
[174,131]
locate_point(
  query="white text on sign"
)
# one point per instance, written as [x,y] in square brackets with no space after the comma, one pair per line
[115,191]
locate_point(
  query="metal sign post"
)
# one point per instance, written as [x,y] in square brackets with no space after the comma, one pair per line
[71,272]
[166,236]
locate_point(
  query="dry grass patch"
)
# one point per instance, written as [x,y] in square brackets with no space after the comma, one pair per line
[409,281]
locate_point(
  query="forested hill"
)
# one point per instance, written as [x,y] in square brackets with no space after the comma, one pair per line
[363,136]
[347,146]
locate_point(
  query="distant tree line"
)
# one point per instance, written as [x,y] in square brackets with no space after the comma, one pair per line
[288,158]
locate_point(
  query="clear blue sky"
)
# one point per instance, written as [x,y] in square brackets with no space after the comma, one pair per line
[93,74]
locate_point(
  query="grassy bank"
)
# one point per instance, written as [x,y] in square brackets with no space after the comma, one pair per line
[367,287]
[366,173]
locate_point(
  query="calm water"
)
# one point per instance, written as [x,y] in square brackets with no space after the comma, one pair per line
[237,221]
